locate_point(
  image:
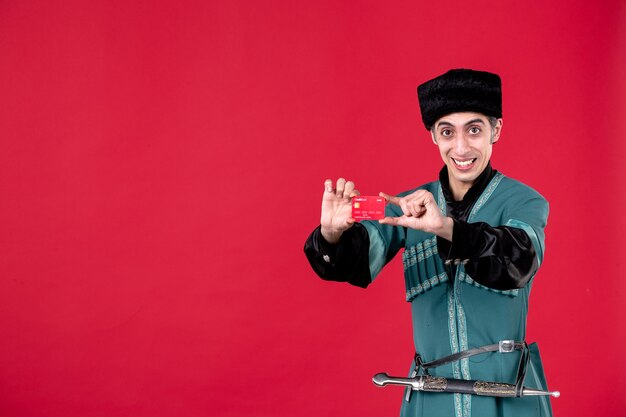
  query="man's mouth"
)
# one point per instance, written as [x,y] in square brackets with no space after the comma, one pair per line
[464,163]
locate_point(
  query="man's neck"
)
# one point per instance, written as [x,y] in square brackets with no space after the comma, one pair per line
[459,188]
[457,191]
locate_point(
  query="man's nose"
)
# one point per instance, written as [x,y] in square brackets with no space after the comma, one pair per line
[461,144]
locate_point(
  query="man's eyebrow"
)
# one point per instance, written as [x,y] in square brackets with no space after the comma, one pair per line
[444,123]
[477,120]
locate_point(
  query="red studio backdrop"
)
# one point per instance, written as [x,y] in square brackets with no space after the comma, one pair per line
[162,162]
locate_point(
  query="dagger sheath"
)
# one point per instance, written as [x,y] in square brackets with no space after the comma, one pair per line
[461,386]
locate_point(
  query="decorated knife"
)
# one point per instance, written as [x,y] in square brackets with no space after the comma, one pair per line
[462,386]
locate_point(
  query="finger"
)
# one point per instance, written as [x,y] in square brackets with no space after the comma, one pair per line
[390,198]
[404,205]
[426,203]
[415,208]
[328,186]
[355,193]
[396,221]
[341,183]
[429,200]
[425,197]
[348,188]
[421,211]
[388,220]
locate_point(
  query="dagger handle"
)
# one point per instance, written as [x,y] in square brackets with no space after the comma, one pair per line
[383,379]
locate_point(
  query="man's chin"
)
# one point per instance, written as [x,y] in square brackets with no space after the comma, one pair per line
[465,176]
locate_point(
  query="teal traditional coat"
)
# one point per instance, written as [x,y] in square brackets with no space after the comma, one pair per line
[452,314]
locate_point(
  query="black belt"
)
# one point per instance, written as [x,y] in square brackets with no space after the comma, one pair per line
[504,346]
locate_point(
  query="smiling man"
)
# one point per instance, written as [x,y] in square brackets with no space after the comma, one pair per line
[472,243]
[464,141]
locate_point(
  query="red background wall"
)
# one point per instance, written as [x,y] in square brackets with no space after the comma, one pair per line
[162,163]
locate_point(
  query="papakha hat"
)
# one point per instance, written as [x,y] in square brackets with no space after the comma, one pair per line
[460,90]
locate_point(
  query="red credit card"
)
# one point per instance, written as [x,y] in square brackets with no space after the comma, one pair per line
[368,208]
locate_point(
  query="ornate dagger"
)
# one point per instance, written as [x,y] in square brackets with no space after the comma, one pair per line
[439,384]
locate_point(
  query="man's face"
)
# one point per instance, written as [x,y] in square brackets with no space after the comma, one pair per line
[465,141]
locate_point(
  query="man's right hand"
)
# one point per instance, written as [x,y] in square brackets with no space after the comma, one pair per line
[337,209]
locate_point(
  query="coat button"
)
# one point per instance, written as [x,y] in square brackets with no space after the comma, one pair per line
[326,258]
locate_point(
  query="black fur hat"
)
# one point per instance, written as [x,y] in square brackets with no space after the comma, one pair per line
[460,90]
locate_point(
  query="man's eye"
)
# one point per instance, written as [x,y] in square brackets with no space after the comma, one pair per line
[474,130]
[446,132]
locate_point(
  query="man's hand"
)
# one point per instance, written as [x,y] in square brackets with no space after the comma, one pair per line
[420,211]
[337,209]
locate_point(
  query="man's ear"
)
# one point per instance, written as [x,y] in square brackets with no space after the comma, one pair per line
[432,135]
[496,131]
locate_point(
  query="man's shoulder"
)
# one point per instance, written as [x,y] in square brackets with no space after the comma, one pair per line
[513,187]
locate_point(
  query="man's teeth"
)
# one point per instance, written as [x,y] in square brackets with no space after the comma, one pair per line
[464,163]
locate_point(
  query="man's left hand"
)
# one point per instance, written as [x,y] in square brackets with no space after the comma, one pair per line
[420,212]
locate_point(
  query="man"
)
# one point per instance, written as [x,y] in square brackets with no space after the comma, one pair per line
[473,241]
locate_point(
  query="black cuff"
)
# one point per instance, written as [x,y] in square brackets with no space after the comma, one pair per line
[462,243]
[347,261]
[465,240]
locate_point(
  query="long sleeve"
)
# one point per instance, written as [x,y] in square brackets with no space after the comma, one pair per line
[345,262]
[501,258]
[361,253]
